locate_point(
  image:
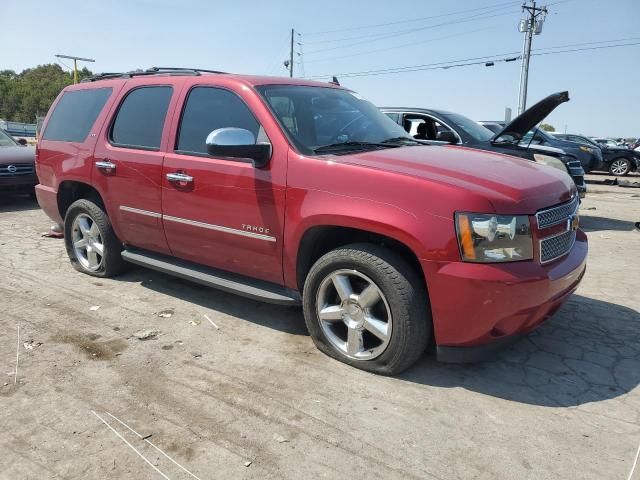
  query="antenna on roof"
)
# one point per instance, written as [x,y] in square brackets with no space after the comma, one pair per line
[335,81]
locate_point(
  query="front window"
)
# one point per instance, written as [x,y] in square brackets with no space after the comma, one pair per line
[473,129]
[6,140]
[328,120]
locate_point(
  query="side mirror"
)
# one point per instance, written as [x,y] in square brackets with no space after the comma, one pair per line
[447,136]
[22,142]
[238,143]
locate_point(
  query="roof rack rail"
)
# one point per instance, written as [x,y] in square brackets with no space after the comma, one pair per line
[149,71]
[183,69]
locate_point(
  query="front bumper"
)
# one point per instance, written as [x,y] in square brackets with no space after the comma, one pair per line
[18,183]
[478,307]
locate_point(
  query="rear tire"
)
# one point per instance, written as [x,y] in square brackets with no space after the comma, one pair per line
[91,243]
[620,167]
[366,306]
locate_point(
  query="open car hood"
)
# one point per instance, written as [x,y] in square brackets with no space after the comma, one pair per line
[532,116]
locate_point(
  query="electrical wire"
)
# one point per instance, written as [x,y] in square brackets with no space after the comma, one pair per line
[404,45]
[383,36]
[465,62]
[412,20]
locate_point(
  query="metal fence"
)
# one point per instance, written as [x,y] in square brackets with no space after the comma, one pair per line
[18,129]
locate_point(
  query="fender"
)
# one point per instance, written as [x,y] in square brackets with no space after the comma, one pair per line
[307,209]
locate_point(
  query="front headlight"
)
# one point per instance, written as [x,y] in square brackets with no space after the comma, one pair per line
[494,238]
[550,161]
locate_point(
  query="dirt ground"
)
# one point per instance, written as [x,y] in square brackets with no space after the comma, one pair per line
[250,397]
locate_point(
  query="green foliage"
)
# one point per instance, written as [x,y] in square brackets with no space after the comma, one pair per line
[547,127]
[26,95]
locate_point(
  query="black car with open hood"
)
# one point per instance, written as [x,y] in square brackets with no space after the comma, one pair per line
[439,126]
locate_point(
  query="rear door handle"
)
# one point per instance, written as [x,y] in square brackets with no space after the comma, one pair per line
[106,166]
[179,177]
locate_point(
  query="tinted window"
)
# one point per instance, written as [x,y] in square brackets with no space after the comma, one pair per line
[208,109]
[140,118]
[75,114]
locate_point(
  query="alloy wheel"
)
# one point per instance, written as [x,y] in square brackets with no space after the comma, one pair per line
[354,314]
[87,242]
[619,167]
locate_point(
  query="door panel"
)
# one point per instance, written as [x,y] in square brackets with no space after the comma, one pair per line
[128,163]
[231,215]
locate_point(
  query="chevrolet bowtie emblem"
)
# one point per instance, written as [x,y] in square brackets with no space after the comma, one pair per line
[573,222]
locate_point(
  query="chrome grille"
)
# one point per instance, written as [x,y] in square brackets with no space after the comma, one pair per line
[556,246]
[16,169]
[556,215]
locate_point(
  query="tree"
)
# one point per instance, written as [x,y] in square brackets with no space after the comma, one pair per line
[547,127]
[26,95]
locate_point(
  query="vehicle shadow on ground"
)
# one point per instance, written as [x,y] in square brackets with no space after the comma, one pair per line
[588,352]
[601,178]
[595,224]
[17,203]
[282,318]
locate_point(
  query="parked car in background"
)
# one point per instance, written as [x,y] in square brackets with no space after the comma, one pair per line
[605,142]
[590,156]
[616,160]
[298,192]
[17,165]
[439,126]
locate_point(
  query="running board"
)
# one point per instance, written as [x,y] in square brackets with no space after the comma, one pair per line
[210,277]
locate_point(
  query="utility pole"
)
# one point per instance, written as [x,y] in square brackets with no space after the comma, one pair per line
[529,26]
[291,54]
[75,64]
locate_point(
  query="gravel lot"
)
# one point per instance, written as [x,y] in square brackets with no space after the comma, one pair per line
[562,403]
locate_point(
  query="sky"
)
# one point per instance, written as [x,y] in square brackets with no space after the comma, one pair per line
[253,37]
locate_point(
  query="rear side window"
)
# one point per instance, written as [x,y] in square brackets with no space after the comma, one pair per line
[75,114]
[206,110]
[140,118]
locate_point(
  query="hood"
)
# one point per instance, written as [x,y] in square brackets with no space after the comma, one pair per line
[512,185]
[532,116]
[17,154]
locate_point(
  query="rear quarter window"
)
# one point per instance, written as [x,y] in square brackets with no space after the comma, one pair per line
[75,114]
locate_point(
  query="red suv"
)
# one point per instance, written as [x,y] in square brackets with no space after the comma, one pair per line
[292,191]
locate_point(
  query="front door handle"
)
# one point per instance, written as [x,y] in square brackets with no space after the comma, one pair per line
[179,177]
[106,166]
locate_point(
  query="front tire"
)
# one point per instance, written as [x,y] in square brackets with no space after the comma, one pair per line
[91,243]
[365,306]
[620,167]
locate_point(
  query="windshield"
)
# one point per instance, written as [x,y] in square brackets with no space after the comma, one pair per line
[318,119]
[6,140]
[473,129]
[536,136]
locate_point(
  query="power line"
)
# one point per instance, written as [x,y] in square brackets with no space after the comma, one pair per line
[412,68]
[383,36]
[465,62]
[420,42]
[412,20]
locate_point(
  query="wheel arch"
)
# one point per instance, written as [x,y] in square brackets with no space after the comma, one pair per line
[71,190]
[321,239]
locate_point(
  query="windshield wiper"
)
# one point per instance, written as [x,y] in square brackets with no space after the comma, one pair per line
[352,146]
[403,139]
